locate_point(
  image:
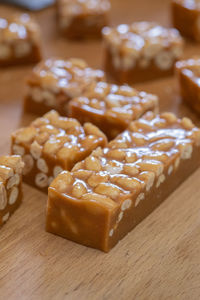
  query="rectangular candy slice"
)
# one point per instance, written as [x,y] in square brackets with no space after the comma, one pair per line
[52,144]
[10,185]
[111,191]
[19,40]
[82,19]
[186,18]
[55,81]
[111,107]
[141,51]
[188,72]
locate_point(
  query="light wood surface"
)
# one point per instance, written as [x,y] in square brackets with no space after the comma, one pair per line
[158,260]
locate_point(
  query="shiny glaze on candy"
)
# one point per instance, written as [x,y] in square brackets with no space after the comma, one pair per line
[143,152]
[190,68]
[19,27]
[136,37]
[71,76]
[113,101]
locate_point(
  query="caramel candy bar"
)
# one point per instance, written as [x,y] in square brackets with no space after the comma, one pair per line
[186,18]
[111,191]
[188,72]
[19,41]
[111,107]
[82,19]
[54,82]
[52,144]
[141,51]
[10,185]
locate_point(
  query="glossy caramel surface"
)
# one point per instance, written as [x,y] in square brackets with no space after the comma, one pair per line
[190,68]
[57,137]
[150,144]
[69,76]
[115,102]
[18,27]
[138,36]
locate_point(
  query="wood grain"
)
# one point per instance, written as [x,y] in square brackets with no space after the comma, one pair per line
[158,260]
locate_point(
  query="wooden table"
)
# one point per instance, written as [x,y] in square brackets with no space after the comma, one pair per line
[158,260]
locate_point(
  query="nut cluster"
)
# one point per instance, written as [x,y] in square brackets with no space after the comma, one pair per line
[54,136]
[142,156]
[142,42]
[17,28]
[116,102]
[56,139]
[55,76]
[10,165]
[17,36]
[10,178]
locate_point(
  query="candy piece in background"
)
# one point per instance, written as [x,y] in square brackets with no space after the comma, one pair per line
[31,5]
